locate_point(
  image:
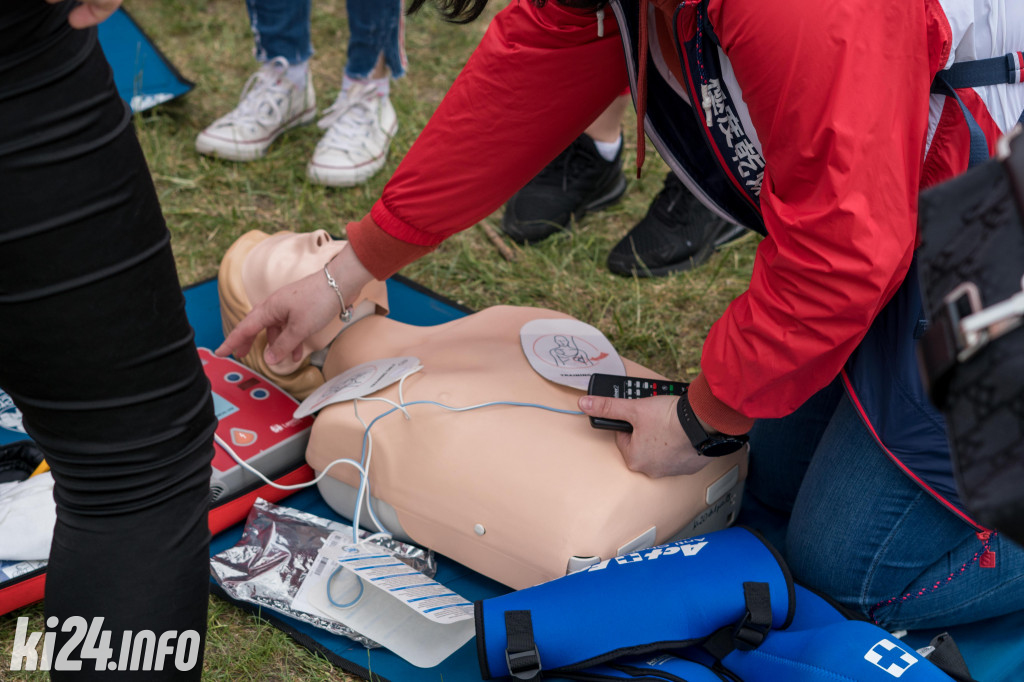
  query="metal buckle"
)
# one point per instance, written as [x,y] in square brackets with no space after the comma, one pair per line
[983,325]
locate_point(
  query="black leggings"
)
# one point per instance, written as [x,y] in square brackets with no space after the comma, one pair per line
[95,348]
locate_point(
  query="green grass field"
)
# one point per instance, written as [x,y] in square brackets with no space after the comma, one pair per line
[208,203]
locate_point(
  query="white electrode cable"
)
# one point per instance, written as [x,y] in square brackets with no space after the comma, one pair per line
[367,448]
[295,486]
[298,486]
[366,455]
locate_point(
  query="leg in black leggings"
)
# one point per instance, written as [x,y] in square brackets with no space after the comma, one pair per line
[95,348]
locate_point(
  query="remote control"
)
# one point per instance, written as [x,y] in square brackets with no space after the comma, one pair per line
[616,386]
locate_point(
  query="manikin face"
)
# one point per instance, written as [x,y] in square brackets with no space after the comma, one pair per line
[286,257]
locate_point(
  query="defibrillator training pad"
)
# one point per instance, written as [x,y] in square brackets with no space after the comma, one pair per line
[357,382]
[568,351]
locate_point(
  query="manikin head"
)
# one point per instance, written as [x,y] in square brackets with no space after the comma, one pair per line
[258,264]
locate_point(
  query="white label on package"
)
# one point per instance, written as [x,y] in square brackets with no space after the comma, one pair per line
[568,351]
[356,382]
[368,589]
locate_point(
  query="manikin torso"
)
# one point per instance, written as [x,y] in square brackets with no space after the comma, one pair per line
[512,492]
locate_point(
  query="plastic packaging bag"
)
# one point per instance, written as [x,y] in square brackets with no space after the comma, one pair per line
[278,548]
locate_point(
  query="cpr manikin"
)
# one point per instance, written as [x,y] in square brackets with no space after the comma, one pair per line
[519,494]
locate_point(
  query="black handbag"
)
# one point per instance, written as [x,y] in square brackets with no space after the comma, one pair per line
[971,268]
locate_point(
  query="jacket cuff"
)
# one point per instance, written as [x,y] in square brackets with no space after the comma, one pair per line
[379,252]
[714,412]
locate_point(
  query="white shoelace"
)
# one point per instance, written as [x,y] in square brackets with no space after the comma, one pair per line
[260,100]
[352,117]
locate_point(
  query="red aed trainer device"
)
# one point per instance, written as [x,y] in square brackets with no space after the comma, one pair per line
[255,419]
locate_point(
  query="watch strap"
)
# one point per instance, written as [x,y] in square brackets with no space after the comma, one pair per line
[691,425]
[706,444]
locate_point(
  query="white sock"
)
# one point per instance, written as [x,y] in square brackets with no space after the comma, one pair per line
[382,85]
[297,73]
[608,150]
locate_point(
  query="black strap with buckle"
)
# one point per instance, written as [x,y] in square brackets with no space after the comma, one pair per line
[521,653]
[757,622]
[750,632]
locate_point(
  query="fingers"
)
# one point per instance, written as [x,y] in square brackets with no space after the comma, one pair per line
[290,315]
[91,12]
[623,440]
[239,341]
[613,408]
[609,408]
[280,347]
[657,446]
[272,334]
[283,342]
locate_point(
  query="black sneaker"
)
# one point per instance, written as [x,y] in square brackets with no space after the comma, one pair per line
[577,181]
[678,233]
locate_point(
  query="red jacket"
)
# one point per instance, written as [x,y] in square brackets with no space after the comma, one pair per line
[837,95]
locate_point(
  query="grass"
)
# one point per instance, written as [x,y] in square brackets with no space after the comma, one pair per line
[239,647]
[208,203]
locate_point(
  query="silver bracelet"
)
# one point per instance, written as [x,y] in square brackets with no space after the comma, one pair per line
[346,311]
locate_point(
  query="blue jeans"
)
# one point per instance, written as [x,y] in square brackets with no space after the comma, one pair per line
[281,28]
[863,532]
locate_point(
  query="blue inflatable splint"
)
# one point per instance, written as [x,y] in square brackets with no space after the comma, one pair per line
[668,597]
[651,667]
[718,607]
[822,643]
[845,650]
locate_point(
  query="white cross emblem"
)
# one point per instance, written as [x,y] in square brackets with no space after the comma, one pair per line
[890,657]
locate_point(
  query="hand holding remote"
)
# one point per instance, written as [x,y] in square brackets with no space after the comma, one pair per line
[657,445]
[631,388]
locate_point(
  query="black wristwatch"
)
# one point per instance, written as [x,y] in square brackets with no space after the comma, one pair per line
[717,445]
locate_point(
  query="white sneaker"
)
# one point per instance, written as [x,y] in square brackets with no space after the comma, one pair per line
[359,125]
[269,105]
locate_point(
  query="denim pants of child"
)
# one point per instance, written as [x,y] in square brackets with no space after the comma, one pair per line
[863,532]
[281,28]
